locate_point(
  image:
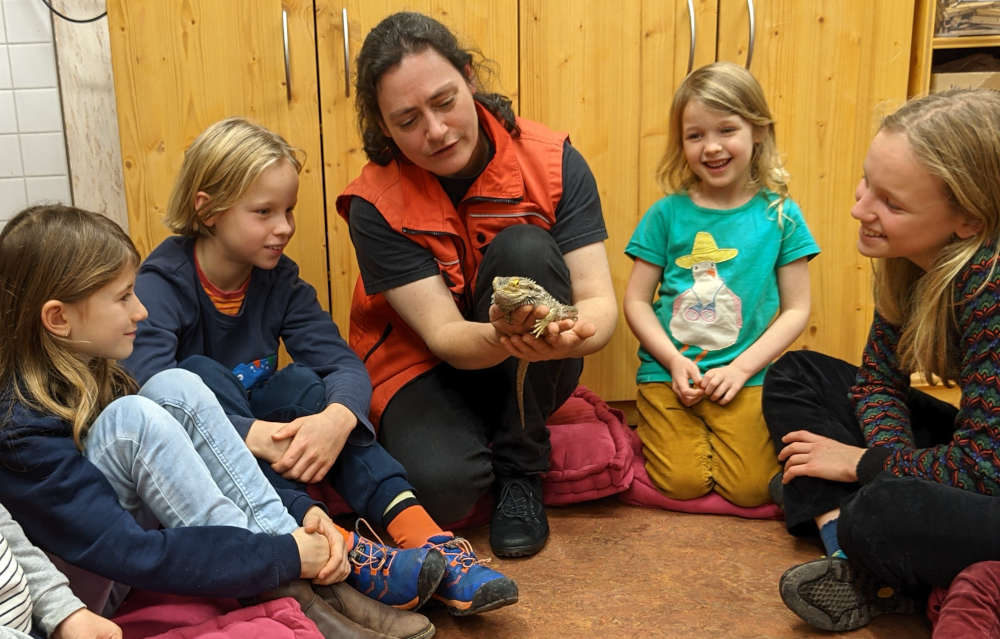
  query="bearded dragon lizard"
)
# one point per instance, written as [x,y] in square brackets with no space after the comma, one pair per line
[510,294]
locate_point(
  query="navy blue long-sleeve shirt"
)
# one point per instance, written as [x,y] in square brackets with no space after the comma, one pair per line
[67,507]
[279,305]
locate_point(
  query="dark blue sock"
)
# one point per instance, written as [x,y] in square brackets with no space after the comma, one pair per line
[828,533]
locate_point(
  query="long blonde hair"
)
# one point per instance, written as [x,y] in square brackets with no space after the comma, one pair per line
[726,87]
[222,162]
[66,254]
[955,135]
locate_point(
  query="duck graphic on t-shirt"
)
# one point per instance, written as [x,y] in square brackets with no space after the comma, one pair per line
[708,315]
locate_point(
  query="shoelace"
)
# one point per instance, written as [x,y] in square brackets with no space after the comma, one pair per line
[366,553]
[461,549]
[516,504]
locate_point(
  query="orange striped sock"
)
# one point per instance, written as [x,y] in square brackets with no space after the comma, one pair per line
[348,537]
[412,527]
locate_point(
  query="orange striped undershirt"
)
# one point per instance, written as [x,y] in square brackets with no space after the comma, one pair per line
[227,302]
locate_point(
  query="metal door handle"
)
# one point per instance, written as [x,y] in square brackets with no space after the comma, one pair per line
[288,74]
[693,36]
[347,55]
[753,32]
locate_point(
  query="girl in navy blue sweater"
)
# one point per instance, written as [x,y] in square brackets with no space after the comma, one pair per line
[91,470]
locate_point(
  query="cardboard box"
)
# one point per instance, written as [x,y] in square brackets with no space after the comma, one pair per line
[969,80]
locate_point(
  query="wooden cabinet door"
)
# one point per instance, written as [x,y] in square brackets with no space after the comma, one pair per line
[490,27]
[180,66]
[606,72]
[830,69]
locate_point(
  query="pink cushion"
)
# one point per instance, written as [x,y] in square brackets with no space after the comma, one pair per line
[591,452]
[149,614]
[643,492]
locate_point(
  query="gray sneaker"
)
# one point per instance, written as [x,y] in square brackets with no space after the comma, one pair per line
[776,490]
[832,594]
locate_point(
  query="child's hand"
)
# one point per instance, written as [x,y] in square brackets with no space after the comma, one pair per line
[337,568]
[84,624]
[261,442]
[721,384]
[315,442]
[807,454]
[314,552]
[683,372]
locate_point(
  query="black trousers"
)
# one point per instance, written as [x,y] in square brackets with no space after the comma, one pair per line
[909,532]
[455,430]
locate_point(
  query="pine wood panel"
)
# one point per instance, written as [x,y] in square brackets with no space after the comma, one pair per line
[180,66]
[491,27]
[830,70]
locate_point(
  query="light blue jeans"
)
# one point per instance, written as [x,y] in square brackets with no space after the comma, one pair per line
[173,458]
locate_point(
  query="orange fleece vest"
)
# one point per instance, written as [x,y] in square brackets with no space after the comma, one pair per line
[522,184]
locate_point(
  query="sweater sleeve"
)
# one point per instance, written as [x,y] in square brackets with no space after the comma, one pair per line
[51,597]
[312,338]
[156,340]
[969,460]
[68,508]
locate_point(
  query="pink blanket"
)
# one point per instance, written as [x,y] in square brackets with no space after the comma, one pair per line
[147,614]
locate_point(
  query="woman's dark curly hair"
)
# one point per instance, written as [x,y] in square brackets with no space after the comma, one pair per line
[384,47]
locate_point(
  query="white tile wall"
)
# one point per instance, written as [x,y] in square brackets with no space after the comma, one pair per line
[33,167]
[33,66]
[10,157]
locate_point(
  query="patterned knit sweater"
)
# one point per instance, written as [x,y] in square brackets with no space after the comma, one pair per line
[970,460]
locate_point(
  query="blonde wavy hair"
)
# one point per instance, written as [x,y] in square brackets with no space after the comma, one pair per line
[726,87]
[955,135]
[66,254]
[223,162]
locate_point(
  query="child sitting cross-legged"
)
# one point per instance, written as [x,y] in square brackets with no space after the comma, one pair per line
[221,297]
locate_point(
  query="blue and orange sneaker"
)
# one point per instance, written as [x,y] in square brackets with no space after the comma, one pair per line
[402,578]
[468,586]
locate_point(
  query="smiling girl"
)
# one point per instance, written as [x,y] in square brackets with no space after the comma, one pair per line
[898,483]
[719,287]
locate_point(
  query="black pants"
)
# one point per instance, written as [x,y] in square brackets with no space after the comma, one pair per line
[909,532]
[455,430]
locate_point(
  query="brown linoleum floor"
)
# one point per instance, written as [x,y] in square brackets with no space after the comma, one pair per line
[614,571]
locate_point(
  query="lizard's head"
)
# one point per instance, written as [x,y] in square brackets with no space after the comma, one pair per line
[513,290]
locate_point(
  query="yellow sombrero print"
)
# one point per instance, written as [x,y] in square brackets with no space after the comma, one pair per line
[705,250]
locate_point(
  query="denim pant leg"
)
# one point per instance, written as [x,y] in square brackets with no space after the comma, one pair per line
[528,251]
[233,468]
[154,469]
[915,533]
[805,390]
[235,400]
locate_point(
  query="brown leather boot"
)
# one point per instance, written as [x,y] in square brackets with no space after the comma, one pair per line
[367,612]
[331,623]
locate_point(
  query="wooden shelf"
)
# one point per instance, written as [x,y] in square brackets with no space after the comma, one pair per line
[965,42]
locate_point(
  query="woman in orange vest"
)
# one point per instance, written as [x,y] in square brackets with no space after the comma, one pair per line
[459,190]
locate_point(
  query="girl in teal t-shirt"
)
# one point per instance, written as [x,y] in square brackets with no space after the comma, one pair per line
[719,288]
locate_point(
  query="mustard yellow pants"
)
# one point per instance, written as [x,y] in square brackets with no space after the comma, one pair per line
[693,450]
